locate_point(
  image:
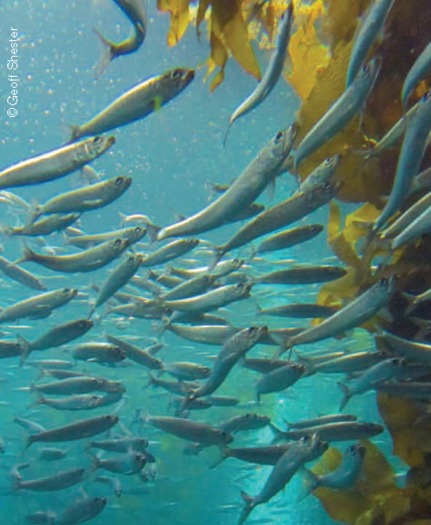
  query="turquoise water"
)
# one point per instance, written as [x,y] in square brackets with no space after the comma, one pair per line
[172,156]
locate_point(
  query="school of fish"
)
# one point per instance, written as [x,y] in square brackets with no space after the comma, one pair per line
[141,276]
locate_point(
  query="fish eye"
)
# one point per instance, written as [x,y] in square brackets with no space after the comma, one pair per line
[81,324]
[97,140]
[427,96]
[138,229]
[279,136]
[176,74]
[117,242]
[67,290]
[119,181]
[384,281]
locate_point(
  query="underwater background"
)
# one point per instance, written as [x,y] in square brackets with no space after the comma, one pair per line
[173,157]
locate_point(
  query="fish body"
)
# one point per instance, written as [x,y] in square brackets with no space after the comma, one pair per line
[418,71]
[195,286]
[128,463]
[51,454]
[350,363]
[205,334]
[279,379]
[368,31]
[17,348]
[329,418]
[262,170]
[191,430]
[84,241]
[324,172]
[272,72]
[186,371]
[54,164]
[58,481]
[80,385]
[85,261]
[337,431]
[415,229]
[81,510]
[211,300]
[136,13]
[263,365]
[118,278]
[379,373]
[344,476]
[81,429]
[99,352]
[169,252]
[409,389]
[285,468]
[136,354]
[302,275]
[266,455]
[46,226]
[420,352]
[293,209]
[362,308]
[20,275]
[300,310]
[243,422]
[340,113]
[231,352]
[137,103]
[412,151]
[289,238]
[62,334]
[88,198]
[79,402]
[39,306]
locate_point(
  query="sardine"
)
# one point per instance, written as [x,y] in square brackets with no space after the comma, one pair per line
[80,385]
[359,310]
[62,334]
[300,310]
[279,379]
[262,170]
[136,354]
[412,151]
[99,352]
[368,31]
[58,481]
[81,429]
[418,71]
[88,198]
[137,102]
[39,306]
[121,444]
[81,510]
[54,164]
[20,275]
[341,478]
[304,274]
[337,431]
[46,226]
[131,462]
[272,72]
[136,13]
[280,215]
[340,113]
[191,430]
[289,238]
[169,252]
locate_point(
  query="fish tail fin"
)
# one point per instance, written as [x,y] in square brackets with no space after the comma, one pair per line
[249,506]
[310,483]
[412,302]
[27,254]
[75,133]
[108,54]
[40,400]
[227,133]
[224,454]
[153,231]
[26,349]
[278,434]
[29,442]
[95,461]
[218,254]
[284,347]
[346,395]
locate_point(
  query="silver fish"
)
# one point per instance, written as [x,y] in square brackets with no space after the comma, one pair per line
[418,71]
[272,72]
[137,102]
[54,164]
[244,190]
[366,36]
[88,198]
[81,429]
[340,113]
[58,481]
[21,275]
[81,510]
